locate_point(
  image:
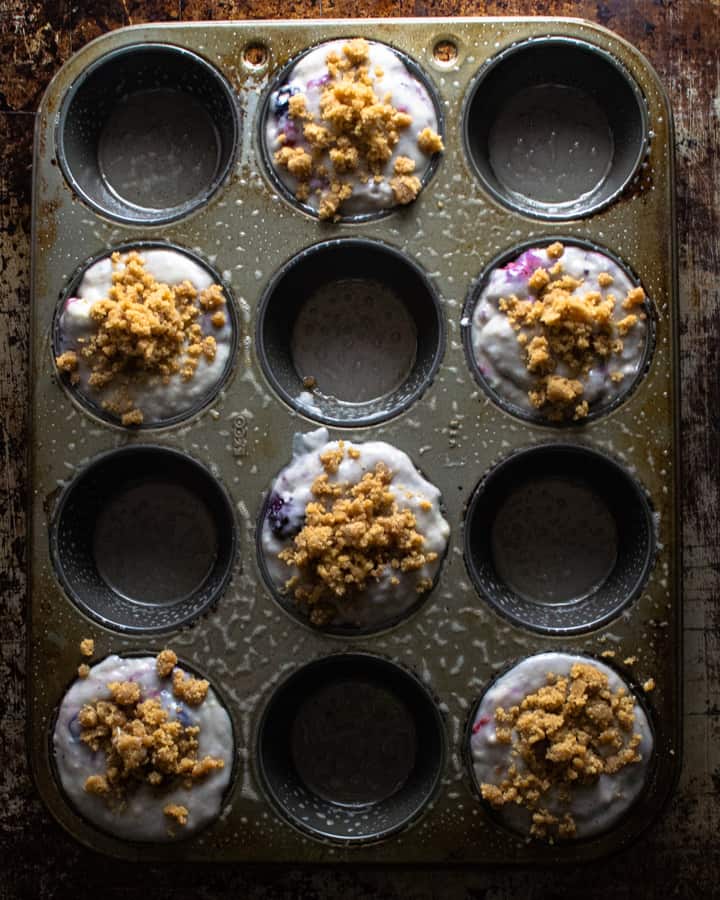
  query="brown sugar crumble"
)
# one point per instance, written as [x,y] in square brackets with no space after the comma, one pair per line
[141,744]
[566,734]
[177,812]
[68,362]
[576,329]
[165,662]
[144,328]
[356,129]
[190,690]
[352,534]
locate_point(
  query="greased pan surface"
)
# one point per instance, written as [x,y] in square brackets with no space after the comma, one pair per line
[456,642]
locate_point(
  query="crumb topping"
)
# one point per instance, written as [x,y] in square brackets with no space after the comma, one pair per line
[165,662]
[566,734]
[356,129]
[83,670]
[68,362]
[190,690]
[562,324]
[142,744]
[352,533]
[177,812]
[143,328]
[87,646]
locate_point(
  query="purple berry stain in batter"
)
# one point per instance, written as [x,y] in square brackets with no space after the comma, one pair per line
[284,520]
[524,265]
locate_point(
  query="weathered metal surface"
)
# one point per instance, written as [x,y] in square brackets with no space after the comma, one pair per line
[679,855]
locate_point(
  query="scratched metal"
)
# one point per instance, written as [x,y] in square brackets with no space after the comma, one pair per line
[455,643]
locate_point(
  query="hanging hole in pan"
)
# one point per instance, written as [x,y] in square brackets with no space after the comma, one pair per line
[255,55]
[445,52]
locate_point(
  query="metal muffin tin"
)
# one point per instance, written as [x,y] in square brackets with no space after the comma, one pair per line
[456,641]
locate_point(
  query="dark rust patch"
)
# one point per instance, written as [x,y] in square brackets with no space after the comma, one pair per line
[96,17]
[34,42]
[216,10]
[47,223]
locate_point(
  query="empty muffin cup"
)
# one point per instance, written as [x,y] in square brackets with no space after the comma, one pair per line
[350,332]
[555,127]
[559,538]
[147,133]
[143,539]
[351,748]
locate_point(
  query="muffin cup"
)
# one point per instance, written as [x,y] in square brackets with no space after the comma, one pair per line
[85,398]
[579,480]
[339,261]
[597,411]
[495,816]
[139,100]
[149,503]
[376,773]
[555,109]
[53,765]
[266,154]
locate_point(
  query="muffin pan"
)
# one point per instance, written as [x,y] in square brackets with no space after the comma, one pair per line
[104,496]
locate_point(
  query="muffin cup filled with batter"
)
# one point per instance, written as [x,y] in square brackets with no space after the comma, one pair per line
[560,748]
[143,539]
[145,335]
[351,129]
[351,748]
[559,538]
[147,133]
[558,331]
[350,332]
[351,537]
[555,127]
[143,749]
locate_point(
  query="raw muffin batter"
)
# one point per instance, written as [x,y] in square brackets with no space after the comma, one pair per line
[560,332]
[352,131]
[559,747]
[148,336]
[142,750]
[352,534]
